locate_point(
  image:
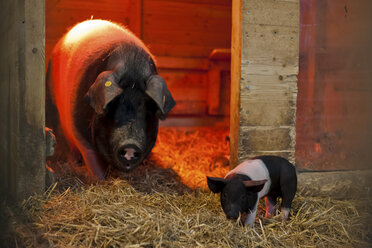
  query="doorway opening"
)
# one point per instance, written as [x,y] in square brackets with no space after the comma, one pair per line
[191,42]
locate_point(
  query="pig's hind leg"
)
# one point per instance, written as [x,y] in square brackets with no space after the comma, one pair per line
[288,188]
[270,203]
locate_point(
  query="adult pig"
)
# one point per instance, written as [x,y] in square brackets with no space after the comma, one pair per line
[263,176]
[103,81]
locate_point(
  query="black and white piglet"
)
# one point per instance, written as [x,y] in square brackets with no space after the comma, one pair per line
[262,176]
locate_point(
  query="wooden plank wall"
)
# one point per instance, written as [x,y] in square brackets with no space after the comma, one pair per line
[268,85]
[334,114]
[61,15]
[186,28]
[182,34]
[22,142]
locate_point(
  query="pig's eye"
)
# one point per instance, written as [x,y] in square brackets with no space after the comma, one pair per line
[243,197]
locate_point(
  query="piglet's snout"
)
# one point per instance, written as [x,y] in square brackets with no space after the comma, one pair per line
[232,215]
[232,212]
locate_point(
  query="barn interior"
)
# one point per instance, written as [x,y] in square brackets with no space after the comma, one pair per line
[191,43]
[154,206]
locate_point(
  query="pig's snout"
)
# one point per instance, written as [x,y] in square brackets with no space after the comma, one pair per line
[232,211]
[129,154]
[232,216]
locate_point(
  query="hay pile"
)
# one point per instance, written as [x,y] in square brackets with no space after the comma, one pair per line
[193,153]
[187,154]
[156,206]
[114,214]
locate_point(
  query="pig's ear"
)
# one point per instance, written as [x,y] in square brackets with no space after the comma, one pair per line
[216,184]
[157,89]
[102,92]
[254,186]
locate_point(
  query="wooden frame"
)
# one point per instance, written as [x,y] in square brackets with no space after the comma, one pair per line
[22,98]
[236,44]
[265,37]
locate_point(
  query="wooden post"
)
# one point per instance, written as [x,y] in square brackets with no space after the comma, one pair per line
[22,99]
[236,53]
[264,93]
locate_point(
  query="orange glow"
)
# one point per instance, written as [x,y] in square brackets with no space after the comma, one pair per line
[84,29]
[193,153]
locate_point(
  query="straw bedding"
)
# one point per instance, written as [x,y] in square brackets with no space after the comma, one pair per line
[155,206]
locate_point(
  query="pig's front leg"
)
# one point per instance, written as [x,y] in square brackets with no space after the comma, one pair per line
[94,163]
[91,159]
[285,212]
[251,216]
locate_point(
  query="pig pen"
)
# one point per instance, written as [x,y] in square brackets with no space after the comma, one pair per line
[155,206]
[164,202]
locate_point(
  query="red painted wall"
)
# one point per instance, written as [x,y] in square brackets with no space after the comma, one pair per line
[334,107]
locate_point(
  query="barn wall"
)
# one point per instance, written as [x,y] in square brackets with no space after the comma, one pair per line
[22,149]
[61,15]
[268,85]
[180,33]
[334,120]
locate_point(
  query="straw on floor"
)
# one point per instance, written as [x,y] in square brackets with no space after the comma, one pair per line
[165,203]
[114,214]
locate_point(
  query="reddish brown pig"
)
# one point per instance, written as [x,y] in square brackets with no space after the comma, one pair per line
[105,96]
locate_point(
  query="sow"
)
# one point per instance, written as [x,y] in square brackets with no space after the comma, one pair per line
[106,96]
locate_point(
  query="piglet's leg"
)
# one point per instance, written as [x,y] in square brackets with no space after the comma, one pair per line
[288,192]
[285,212]
[251,217]
[270,206]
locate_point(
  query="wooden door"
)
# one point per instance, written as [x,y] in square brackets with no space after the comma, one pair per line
[334,110]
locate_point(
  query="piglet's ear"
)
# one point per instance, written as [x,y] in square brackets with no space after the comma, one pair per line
[157,89]
[102,92]
[216,184]
[255,186]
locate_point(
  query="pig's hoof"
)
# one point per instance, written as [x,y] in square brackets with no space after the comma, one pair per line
[50,142]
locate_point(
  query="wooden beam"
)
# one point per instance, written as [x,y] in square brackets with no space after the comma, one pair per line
[236,45]
[219,61]
[32,159]
[214,88]
[22,150]
[182,63]
[220,54]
